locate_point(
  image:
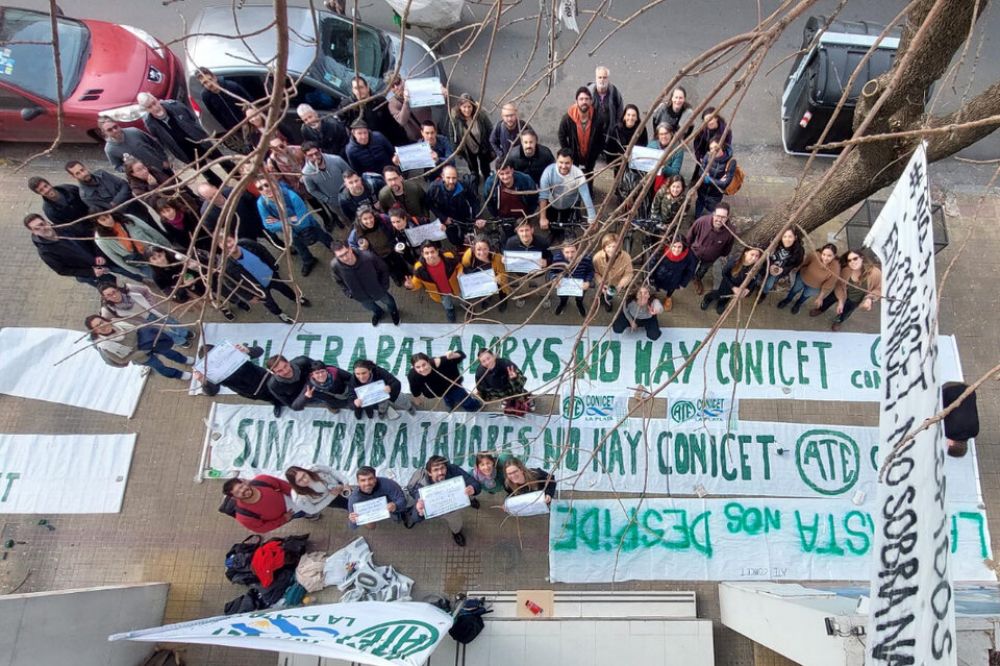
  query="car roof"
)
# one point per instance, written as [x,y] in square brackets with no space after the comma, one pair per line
[208,48]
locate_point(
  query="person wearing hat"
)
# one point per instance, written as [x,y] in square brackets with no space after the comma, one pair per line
[325,384]
[368,151]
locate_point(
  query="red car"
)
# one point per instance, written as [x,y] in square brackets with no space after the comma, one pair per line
[104,66]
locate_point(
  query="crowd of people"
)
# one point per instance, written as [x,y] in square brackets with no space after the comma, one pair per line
[181,216]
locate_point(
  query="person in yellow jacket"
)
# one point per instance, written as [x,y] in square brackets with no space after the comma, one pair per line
[437,272]
[481,257]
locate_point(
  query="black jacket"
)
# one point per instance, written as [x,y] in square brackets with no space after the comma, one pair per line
[286,391]
[669,275]
[246,218]
[241,281]
[366,280]
[568,140]
[459,204]
[331,136]
[68,211]
[443,378]
[66,257]
[224,107]
[186,130]
[534,165]
[377,116]
[249,380]
[379,373]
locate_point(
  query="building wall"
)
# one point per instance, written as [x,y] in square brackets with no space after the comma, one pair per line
[72,626]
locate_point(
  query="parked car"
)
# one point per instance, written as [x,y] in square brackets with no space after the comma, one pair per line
[104,66]
[320,57]
[815,84]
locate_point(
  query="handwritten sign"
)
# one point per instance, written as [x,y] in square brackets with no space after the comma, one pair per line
[221,362]
[418,235]
[424,92]
[371,511]
[912,616]
[444,497]
[570,287]
[415,156]
[644,159]
[371,394]
[478,284]
[528,504]
[521,261]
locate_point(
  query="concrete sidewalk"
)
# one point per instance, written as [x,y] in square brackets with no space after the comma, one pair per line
[169,529]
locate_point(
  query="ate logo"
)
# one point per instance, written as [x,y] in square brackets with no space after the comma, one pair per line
[393,640]
[708,409]
[828,461]
[573,407]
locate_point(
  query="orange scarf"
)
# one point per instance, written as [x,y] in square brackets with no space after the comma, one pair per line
[583,125]
[131,246]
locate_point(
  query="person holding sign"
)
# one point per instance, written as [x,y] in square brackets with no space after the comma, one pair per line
[437,273]
[373,388]
[399,106]
[498,379]
[440,378]
[438,470]
[519,480]
[573,273]
[481,258]
[640,309]
[455,206]
[372,488]
[442,152]
[316,488]
[248,380]
[288,378]
[372,232]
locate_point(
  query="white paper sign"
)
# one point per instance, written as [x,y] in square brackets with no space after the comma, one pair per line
[371,511]
[430,231]
[424,92]
[415,156]
[570,287]
[400,633]
[371,394]
[221,362]
[910,615]
[528,504]
[644,159]
[658,538]
[522,261]
[444,497]
[478,284]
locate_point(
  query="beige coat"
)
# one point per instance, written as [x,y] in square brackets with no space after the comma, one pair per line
[618,274]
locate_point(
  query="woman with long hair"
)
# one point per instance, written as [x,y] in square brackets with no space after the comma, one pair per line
[733,276]
[668,201]
[786,258]
[121,343]
[124,239]
[480,257]
[859,286]
[179,223]
[715,129]
[316,488]
[629,125]
[673,270]
[672,166]
[817,276]
[641,310]
[612,270]
[136,305]
[470,134]
[149,184]
[520,480]
[488,471]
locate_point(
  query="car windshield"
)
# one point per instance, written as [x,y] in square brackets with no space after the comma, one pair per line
[336,62]
[26,60]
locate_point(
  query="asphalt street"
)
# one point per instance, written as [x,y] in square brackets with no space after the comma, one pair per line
[643,56]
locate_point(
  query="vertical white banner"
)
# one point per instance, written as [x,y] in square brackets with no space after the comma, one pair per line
[912,615]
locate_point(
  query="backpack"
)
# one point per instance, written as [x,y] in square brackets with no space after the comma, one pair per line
[469,622]
[239,560]
[230,508]
[737,182]
[245,603]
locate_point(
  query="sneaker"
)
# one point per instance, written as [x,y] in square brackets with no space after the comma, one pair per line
[474,503]
[411,410]
[699,286]
[783,303]
[519,302]
[305,302]
[796,308]
[705,302]
[459,539]
[581,309]
[395,317]
[668,304]
[503,306]
[608,307]
[189,360]
[376,319]
[720,307]
[314,517]
[185,376]
[391,414]
[228,314]
[547,302]
[186,344]
[285,318]
[815,312]
[307,269]
[560,308]
[835,326]
[277,411]
[450,315]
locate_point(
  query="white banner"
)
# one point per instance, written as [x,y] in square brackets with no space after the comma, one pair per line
[601,541]
[654,456]
[761,364]
[64,473]
[912,613]
[367,632]
[56,365]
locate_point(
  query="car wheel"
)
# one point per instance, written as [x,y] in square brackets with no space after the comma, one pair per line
[95,134]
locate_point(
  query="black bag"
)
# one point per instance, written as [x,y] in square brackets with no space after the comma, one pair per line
[245,603]
[469,622]
[238,559]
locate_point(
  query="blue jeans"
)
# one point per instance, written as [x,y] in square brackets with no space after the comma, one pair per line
[458,397]
[164,346]
[800,286]
[171,328]
[378,306]
[449,304]
[770,282]
[303,238]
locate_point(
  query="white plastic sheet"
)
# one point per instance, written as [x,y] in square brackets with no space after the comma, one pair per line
[430,13]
